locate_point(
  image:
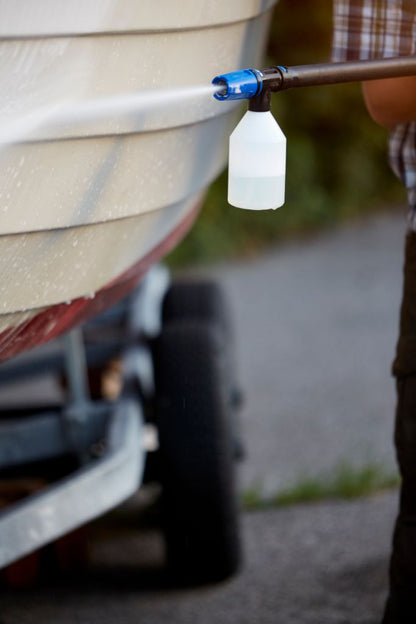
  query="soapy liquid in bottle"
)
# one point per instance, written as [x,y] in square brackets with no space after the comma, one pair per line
[257,191]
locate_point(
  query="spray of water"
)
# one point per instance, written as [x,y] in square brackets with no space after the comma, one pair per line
[54,116]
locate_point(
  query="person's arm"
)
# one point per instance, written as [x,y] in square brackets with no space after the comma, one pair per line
[392,100]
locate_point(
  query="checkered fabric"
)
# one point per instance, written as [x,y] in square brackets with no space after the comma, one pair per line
[369,29]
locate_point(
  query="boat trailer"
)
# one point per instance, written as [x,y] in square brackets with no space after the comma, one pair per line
[107,437]
[142,434]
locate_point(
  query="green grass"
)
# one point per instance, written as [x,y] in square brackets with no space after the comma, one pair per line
[346,482]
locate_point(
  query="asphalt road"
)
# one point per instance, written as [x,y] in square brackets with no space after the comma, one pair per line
[315,325]
[315,564]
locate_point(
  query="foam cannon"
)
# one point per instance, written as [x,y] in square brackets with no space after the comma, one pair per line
[257,157]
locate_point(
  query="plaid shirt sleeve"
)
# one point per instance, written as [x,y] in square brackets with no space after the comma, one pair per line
[367,29]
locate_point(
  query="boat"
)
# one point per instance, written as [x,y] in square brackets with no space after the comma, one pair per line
[87,208]
[109,138]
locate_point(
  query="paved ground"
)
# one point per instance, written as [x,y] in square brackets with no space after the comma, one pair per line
[319,564]
[315,326]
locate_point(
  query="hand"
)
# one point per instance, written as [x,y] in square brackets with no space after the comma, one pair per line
[392,100]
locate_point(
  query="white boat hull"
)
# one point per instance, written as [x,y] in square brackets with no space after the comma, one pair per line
[88,206]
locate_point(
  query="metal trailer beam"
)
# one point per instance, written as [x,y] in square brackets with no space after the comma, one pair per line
[29,435]
[98,486]
[44,435]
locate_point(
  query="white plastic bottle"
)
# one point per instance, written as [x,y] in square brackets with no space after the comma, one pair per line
[257,163]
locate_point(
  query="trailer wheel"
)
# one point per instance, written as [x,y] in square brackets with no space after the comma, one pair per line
[200,516]
[202,300]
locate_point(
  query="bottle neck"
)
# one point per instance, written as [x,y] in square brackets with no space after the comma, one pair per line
[260,103]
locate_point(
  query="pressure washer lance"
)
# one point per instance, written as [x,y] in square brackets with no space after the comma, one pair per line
[257,156]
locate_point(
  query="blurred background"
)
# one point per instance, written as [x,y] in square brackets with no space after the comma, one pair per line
[337,167]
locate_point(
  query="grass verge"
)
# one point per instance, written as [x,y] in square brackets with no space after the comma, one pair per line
[345,482]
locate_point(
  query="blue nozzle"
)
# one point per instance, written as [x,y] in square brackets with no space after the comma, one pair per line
[239,85]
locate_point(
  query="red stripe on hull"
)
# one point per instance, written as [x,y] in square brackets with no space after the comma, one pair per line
[62,317]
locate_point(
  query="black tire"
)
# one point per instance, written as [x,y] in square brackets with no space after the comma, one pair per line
[197,300]
[205,300]
[199,502]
